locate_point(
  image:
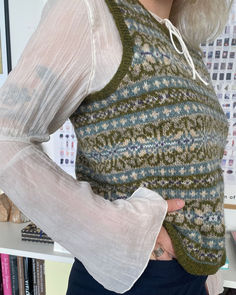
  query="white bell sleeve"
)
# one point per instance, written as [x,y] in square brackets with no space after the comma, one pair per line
[113,240]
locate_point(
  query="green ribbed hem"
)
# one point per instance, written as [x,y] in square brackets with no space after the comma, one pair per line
[127,55]
[192,267]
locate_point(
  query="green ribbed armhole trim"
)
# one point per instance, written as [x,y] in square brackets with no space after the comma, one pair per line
[193,267]
[127,55]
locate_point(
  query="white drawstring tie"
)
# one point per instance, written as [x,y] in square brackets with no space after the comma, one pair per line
[174,31]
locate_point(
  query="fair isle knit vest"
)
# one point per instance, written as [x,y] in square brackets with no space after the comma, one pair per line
[152,125]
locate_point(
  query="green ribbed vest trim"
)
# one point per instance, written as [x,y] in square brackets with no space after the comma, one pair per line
[190,266]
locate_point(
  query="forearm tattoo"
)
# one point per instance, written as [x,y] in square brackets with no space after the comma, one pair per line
[13,94]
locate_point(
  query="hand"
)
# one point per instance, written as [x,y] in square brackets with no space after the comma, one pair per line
[163,238]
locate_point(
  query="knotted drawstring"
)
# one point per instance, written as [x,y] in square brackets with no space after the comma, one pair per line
[174,31]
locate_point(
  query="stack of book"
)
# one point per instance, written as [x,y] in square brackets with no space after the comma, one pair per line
[21,275]
[34,234]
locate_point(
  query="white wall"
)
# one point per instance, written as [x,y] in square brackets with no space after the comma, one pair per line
[24,17]
[230,219]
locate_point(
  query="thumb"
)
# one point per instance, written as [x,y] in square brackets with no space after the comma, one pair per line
[175,204]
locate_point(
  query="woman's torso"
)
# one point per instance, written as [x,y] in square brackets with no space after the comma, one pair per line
[107,44]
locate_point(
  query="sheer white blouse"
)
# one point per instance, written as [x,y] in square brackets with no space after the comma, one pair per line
[75,50]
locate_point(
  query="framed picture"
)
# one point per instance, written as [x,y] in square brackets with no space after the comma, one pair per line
[5,52]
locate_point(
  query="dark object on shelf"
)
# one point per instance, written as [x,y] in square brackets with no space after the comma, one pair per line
[34,234]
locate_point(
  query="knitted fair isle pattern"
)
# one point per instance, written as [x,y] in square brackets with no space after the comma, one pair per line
[152,125]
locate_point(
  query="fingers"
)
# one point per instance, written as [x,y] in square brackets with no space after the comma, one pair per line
[163,238]
[175,204]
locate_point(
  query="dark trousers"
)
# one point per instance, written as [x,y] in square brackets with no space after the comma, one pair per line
[159,278]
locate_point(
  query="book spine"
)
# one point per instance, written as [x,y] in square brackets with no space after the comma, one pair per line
[42,286]
[37,240]
[30,272]
[35,236]
[26,275]
[38,276]
[1,282]
[21,279]
[6,274]
[14,275]
[35,283]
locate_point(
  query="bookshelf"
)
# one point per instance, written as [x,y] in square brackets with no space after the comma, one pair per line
[10,243]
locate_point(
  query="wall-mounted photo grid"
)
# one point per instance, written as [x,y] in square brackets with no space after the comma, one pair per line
[62,147]
[220,59]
